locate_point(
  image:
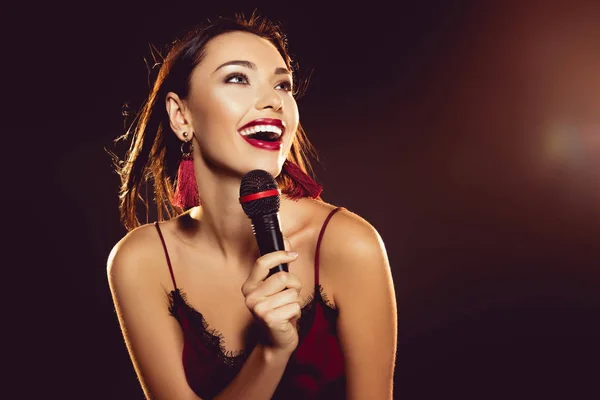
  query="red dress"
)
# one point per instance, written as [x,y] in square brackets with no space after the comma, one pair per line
[315,369]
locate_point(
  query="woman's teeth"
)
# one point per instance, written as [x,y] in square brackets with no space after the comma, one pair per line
[267,131]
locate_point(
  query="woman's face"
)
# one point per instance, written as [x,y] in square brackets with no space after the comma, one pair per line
[241,88]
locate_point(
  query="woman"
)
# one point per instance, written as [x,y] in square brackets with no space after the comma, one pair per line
[198,314]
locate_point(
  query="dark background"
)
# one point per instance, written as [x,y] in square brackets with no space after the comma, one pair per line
[476,129]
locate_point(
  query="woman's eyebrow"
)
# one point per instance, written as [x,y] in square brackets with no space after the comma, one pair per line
[282,71]
[251,65]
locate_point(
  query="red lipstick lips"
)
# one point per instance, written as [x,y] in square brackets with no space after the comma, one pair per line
[264,144]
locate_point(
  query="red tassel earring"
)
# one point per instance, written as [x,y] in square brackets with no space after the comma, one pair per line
[302,184]
[186,192]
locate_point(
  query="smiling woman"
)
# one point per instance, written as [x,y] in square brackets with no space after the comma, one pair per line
[200,316]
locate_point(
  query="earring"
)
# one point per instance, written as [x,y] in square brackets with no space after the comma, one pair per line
[186,191]
[302,185]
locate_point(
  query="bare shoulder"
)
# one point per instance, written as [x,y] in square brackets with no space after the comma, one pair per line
[348,235]
[352,253]
[138,256]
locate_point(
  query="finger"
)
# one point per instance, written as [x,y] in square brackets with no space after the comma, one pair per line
[282,315]
[277,300]
[265,263]
[272,286]
[287,244]
[278,282]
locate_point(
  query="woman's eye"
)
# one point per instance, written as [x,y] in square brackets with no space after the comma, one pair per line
[287,86]
[237,78]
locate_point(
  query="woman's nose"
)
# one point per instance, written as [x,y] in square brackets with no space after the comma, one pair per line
[269,98]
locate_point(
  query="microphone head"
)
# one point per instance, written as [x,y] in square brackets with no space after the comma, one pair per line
[257,181]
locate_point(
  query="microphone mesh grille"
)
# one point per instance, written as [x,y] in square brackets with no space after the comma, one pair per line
[257,181]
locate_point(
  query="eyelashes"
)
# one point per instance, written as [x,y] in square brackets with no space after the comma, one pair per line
[242,79]
[287,86]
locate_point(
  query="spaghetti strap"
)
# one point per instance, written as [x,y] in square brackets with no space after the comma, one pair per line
[319,242]
[162,239]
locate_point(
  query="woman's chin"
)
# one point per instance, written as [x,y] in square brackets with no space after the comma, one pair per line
[272,168]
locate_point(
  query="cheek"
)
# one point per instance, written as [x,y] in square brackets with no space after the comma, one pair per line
[220,111]
[292,113]
[231,104]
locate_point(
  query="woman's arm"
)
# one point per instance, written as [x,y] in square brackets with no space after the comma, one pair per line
[136,275]
[355,262]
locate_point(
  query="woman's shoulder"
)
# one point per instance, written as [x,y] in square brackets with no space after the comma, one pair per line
[347,235]
[344,228]
[136,242]
[136,254]
[343,218]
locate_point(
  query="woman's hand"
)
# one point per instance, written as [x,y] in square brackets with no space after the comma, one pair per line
[275,301]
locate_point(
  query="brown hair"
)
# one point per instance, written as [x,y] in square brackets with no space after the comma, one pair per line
[154,154]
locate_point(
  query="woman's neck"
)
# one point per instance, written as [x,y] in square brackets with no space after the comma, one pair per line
[223,222]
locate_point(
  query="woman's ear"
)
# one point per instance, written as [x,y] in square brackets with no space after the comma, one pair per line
[177,116]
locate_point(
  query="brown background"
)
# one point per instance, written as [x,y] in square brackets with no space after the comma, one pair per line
[468,135]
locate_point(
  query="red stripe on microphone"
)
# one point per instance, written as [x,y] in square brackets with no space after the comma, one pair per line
[259,195]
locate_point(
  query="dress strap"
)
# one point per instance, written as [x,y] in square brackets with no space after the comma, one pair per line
[319,242]
[162,239]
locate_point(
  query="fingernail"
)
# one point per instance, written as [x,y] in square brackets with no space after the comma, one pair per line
[292,254]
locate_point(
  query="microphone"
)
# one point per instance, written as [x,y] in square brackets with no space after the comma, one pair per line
[260,200]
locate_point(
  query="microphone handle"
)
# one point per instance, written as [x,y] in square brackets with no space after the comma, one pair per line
[268,237]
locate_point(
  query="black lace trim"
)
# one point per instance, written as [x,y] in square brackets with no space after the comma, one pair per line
[325,299]
[213,340]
